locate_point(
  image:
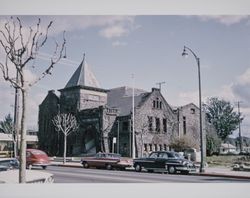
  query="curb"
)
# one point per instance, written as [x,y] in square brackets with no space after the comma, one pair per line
[222,175]
[194,174]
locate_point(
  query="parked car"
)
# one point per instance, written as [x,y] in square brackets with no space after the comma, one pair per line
[9,173]
[35,157]
[164,161]
[8,164]
[106,160]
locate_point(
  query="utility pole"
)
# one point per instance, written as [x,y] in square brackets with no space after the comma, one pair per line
[240,137]
[160,83]
[133,117]
[118,138]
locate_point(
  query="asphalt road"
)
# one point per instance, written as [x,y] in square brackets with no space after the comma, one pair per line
[81,175]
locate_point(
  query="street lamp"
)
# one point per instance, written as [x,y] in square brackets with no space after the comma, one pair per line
[185,54]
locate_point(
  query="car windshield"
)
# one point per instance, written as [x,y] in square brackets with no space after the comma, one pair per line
[179,156]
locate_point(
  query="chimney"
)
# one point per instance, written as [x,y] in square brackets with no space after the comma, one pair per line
[155,89]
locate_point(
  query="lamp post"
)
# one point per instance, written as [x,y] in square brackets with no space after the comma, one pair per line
[185,54]
[133,117]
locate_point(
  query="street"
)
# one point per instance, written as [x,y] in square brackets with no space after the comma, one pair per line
[81,175]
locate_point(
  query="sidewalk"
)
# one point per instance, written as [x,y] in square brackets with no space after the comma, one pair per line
[209,171]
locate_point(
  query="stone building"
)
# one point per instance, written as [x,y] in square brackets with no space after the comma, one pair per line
[105,118]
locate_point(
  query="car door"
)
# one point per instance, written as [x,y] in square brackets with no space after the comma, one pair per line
[100,160]
[161,160]
[150,162]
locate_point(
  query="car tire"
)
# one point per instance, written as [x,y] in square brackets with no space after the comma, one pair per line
[138,168]
[108,166]
[85,165]
[171,170]
[44,167]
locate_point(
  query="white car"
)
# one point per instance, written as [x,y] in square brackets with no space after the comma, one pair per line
[9,173]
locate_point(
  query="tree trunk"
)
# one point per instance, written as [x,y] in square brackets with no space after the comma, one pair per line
[15,149]
[65,149]
[141,145]
[22,169]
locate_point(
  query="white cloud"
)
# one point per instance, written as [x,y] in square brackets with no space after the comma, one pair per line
[224,19]
[114,31]
[119,43]
[71,23]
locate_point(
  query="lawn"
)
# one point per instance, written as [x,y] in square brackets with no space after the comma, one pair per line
[226,160]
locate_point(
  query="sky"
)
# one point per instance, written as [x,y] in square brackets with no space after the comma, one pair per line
[149,47]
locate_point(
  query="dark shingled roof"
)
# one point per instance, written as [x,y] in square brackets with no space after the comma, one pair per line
[121,98]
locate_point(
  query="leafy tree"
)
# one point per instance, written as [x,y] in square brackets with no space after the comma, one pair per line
[179,144]
[213,143]
[222,115]
[7,127]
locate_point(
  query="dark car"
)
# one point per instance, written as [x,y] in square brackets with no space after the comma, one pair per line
[35,157]
[8,164]
[106,160]
[164,161]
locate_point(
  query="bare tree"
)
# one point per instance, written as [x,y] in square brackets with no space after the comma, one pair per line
[65,123]
[143,131]
[20,52]
[7,126]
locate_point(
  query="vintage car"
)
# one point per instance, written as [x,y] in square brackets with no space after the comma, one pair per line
[164,161]
[106,160]
[9,173]
[35,157]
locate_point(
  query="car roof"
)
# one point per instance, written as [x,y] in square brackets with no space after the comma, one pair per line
[5,158]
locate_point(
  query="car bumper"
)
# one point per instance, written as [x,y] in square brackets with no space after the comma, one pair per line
[40,164]
[185,168]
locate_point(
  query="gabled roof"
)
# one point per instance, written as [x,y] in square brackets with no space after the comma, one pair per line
[83,76]
[188,105]
[50,96]
[121,98]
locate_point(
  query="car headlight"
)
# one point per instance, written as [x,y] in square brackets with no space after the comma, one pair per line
[184,163]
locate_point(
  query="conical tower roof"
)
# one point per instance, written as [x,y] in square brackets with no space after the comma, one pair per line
[83,76]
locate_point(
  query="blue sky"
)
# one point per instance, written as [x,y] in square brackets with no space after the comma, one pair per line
[150,47]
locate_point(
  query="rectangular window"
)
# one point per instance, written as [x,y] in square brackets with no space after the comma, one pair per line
[125,126]
[150,147]
[184,126]
[150,123]
[145,147]
[165,147]
[192,111]
[157,125]
[154,104]
[160,147]
[164,124]
[156,148]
